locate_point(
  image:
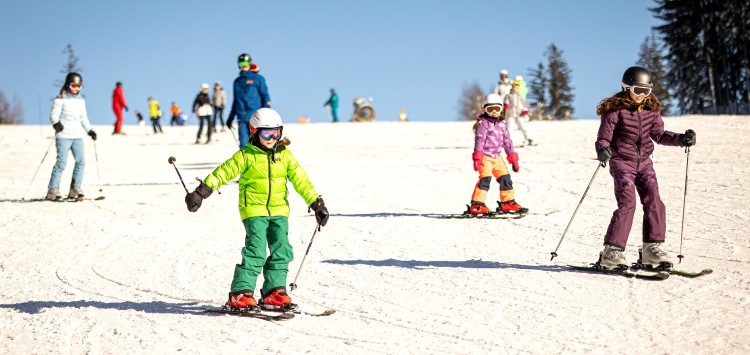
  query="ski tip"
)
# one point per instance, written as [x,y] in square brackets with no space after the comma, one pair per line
[99,198]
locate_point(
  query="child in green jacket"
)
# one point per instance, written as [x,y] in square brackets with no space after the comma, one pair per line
[264,167]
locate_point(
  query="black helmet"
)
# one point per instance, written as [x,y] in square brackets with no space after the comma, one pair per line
[73,78]
[639,76]
[244,57]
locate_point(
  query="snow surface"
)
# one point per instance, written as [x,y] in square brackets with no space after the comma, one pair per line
[129,274]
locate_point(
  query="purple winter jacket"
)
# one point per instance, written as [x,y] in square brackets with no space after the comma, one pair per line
[491,135]
[631,134]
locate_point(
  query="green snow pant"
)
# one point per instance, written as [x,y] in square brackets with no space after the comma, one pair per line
[258,231]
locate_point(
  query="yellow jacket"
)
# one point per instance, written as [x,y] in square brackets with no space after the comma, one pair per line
[153,108]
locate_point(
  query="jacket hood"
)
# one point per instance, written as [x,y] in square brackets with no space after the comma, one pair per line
[621,100]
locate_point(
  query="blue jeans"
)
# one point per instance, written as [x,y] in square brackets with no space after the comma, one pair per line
[63,145]
[244,132]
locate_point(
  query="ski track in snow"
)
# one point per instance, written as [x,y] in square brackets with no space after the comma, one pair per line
[129,274]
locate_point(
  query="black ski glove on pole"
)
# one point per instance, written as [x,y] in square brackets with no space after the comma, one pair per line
[604,154]
[321,212]
[58,127]
[687,139]
[92,134]
[194,199]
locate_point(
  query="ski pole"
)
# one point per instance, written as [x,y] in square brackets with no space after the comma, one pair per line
[236,140]
[684,198]
[37,169]
[98,174]
[171,160]
[600,165]
[293,285]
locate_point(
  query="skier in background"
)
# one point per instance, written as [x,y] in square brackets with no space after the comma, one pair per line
[202,108]
[71,122]
[138,115]
[504,85]
[264,166]
[175,110]
[491,135]
[523,90]
[118,104]
[630,125]
[333,101]
[219,100]
[516,109]
[155,111]
[250,93]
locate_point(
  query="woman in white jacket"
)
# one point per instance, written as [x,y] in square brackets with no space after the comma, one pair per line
[70,121]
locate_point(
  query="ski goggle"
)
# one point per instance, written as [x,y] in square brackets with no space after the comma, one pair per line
[75,86]
[269,133]
[243,63]
[493,109]
[638,90]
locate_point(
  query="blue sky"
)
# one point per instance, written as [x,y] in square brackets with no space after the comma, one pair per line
[412,55]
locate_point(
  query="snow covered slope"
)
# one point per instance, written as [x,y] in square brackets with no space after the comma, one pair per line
[128,274]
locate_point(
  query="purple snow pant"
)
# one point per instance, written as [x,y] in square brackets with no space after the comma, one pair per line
[627,181]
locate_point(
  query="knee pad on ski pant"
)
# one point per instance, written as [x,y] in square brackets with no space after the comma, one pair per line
[484,183]
[505,182]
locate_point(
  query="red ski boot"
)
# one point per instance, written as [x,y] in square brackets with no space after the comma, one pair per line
[478,209]
[511,207]
[277,297]
[242,300]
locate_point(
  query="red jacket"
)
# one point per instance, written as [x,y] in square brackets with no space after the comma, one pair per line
[118,99]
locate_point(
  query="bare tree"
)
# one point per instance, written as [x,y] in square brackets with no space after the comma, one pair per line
[10,114]
[470,103]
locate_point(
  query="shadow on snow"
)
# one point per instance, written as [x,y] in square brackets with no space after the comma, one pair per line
[33,307]
[471,264]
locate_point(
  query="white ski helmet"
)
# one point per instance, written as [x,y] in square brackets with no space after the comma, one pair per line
[493,100]
[265,118]
[503,72]
[518,77]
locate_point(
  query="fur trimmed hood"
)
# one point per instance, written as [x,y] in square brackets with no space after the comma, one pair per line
[621,100]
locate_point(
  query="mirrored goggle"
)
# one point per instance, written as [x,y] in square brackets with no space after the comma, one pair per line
[493,108]
[75,86]
[270,133]
[639,90]
[243,63]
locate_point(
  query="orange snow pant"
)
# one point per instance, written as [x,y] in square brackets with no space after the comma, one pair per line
[493,167]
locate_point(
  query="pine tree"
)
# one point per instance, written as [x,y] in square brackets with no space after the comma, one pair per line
[707,52]
[651,58]
[537,90]
[71,66]
[560,92]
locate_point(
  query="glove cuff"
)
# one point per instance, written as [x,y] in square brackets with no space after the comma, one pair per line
[204,190]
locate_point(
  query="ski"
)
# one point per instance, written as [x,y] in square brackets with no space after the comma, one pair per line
[294,308]
[593,269]
[483,216]
[253,313]
[683,273]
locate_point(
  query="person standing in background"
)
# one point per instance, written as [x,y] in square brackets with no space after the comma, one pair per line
[219,100]
[250,93]
[118,104]
[155,111]
[202,108]
[333,101]
[175,110]
[503,86]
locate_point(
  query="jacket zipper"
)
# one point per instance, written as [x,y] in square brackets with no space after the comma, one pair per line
[268,201]
[638,142]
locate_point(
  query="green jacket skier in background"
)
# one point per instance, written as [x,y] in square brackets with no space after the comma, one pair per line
[264,167]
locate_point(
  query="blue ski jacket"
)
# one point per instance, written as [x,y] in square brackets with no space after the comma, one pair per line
[250,93]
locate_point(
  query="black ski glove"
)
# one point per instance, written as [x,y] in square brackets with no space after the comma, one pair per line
[58,127]
[126,109]
[321,212]
[687,139]
[92,134]
[230,120]
[604,154]
[194,199]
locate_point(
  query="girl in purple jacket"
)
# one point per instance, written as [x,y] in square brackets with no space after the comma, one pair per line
[490,135]
[630,125]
